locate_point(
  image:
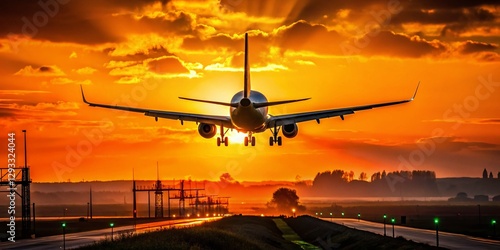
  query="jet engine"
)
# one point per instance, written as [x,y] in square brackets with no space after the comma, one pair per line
[207,130]
[290,130]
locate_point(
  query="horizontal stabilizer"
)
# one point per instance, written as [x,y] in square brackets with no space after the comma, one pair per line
[267,104]
[235,105]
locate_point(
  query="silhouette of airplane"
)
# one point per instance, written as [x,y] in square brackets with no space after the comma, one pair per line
[249,114]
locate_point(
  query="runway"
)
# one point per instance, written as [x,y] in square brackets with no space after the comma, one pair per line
[75,240]
[446,240]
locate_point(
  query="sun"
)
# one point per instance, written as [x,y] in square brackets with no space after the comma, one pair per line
[236,137]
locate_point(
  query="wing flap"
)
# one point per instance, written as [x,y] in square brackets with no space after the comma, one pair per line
[209,119]
[315,115]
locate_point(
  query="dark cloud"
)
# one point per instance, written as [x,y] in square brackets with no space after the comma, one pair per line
[443,16]
[212,43]
[311,37]
[475,47]
[488,57]
[448,4]
[167,65]
[400,45]
[77,21]
[40,71]
[151,52]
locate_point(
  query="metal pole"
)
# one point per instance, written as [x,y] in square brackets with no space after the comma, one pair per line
[90,202]
[437,234]
[25,155]
[384,227]
[149,205]
[392,230]
[64,238]
[34,231]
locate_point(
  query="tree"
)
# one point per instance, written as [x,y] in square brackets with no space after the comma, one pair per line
[363,176]
[491,175]
[498,175]
[485,173]
[285,199]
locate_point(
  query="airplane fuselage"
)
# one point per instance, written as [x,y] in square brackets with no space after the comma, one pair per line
[247,118]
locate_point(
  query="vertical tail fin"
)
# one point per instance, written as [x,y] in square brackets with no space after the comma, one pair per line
[247,87]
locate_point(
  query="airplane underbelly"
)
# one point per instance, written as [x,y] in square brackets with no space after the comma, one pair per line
[247,119]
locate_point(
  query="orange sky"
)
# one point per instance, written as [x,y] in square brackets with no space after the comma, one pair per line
[339,53]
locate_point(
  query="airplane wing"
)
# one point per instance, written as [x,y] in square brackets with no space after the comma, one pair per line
[208,119]
[281,120]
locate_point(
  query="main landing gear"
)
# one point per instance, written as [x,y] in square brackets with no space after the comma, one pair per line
[250,139]
[275,138]
[222,139]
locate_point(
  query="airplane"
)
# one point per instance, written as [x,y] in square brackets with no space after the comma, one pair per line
[248,113]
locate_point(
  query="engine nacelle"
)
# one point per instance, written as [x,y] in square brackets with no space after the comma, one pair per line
[207,130]
[290,130]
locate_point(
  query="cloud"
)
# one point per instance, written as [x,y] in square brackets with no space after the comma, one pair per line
[217,42]
[401,45]
[129,80]
[475,47]
[86,71]
[162,67]
[21,92]
[40,71]
[477,121]
[39,111]
[119,64]
[167,65]
[302,35]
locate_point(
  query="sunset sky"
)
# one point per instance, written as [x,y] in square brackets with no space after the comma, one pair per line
[339,53]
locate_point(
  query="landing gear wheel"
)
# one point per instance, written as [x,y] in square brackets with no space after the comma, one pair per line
[222,138]
[253,141]
[246,141]
[275,138]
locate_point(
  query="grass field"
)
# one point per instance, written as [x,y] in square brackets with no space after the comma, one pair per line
[238,232]
[333,236]
[251,232]
[469,219]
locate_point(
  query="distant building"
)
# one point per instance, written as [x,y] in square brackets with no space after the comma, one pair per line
[485,174]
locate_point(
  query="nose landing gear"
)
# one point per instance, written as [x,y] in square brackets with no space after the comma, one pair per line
[250,139]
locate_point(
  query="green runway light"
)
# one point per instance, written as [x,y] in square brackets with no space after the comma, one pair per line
[493,222]
[111,224]
[385,216]
[64,224]
[393,220]
[436,221]
[342,213]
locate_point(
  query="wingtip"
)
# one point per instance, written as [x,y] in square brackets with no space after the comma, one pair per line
[83,94]
[416,90]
